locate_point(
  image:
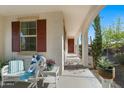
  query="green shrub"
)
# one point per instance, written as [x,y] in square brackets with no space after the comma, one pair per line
[119,58]
[2,63]
[104,63]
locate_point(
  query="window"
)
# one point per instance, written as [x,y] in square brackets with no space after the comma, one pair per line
[28,36]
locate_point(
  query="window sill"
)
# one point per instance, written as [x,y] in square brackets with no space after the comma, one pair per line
[27,53]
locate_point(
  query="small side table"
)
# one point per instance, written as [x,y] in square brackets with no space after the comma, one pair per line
[54,73]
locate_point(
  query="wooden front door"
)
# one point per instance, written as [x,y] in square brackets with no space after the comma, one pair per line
[70,45]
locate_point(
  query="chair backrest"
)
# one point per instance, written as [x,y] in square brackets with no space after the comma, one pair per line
[15,66]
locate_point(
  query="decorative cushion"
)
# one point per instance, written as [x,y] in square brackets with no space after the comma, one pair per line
[15,66]
[38,57]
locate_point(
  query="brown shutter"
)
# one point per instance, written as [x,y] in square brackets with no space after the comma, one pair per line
[16,36]
[41,35]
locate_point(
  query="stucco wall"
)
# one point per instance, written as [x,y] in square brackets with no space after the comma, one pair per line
[1,37]
[55,34]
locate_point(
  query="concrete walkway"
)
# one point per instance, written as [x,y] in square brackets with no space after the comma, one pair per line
[72,59]
[82,78]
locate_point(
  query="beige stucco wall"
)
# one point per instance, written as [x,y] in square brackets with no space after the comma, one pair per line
[1,37]
[55,34]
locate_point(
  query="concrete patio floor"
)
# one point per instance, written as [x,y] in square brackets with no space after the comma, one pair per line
[81,78]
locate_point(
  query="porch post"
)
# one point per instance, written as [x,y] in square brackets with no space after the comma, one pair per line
[85,49]
[77,45]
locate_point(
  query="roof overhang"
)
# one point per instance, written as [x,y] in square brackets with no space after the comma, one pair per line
[74,15]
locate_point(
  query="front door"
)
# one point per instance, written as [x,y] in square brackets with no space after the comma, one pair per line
[70,45]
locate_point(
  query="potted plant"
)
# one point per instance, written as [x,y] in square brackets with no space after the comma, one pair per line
[2,63]
[105,68]
[50,63]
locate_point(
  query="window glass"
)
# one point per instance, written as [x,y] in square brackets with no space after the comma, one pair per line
[28,43]
[28,36]
[28,28]
[24,25]
[32,25]
[32,31]
[24,31]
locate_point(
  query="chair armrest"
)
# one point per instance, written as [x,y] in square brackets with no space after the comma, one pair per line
[4,70]
[15,74]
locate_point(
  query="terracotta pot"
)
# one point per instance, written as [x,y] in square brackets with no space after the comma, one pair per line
[106,74]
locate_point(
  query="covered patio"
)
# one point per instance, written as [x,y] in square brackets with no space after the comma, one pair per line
[64,24]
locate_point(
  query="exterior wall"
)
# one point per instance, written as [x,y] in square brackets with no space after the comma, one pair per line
[1,37]
[55,35]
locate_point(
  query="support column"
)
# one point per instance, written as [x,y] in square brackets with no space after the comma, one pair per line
[77,45]
[85,48]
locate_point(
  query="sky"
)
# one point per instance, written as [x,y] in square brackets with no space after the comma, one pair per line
[109,15]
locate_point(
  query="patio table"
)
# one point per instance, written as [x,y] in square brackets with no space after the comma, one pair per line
[53,72]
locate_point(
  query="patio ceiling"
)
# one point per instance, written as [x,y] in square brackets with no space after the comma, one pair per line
[74,15]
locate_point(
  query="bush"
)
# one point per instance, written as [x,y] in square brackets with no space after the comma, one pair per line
[104,63]
[2,63]
[119,58]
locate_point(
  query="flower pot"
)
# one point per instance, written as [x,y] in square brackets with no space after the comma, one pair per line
[106,74]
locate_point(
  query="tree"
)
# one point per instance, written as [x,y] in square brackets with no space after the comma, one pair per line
[113,36]
[97,42]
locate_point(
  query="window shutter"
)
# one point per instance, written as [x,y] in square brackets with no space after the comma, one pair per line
[16,36]
[41,36]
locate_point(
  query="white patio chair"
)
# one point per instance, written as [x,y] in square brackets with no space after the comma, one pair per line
[38,76]
[15,77]
[14,74]
[50,77]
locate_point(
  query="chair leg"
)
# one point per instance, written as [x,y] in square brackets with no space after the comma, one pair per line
[36,85]
[30,86]
[2,83]
[42,84]
[56,82]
